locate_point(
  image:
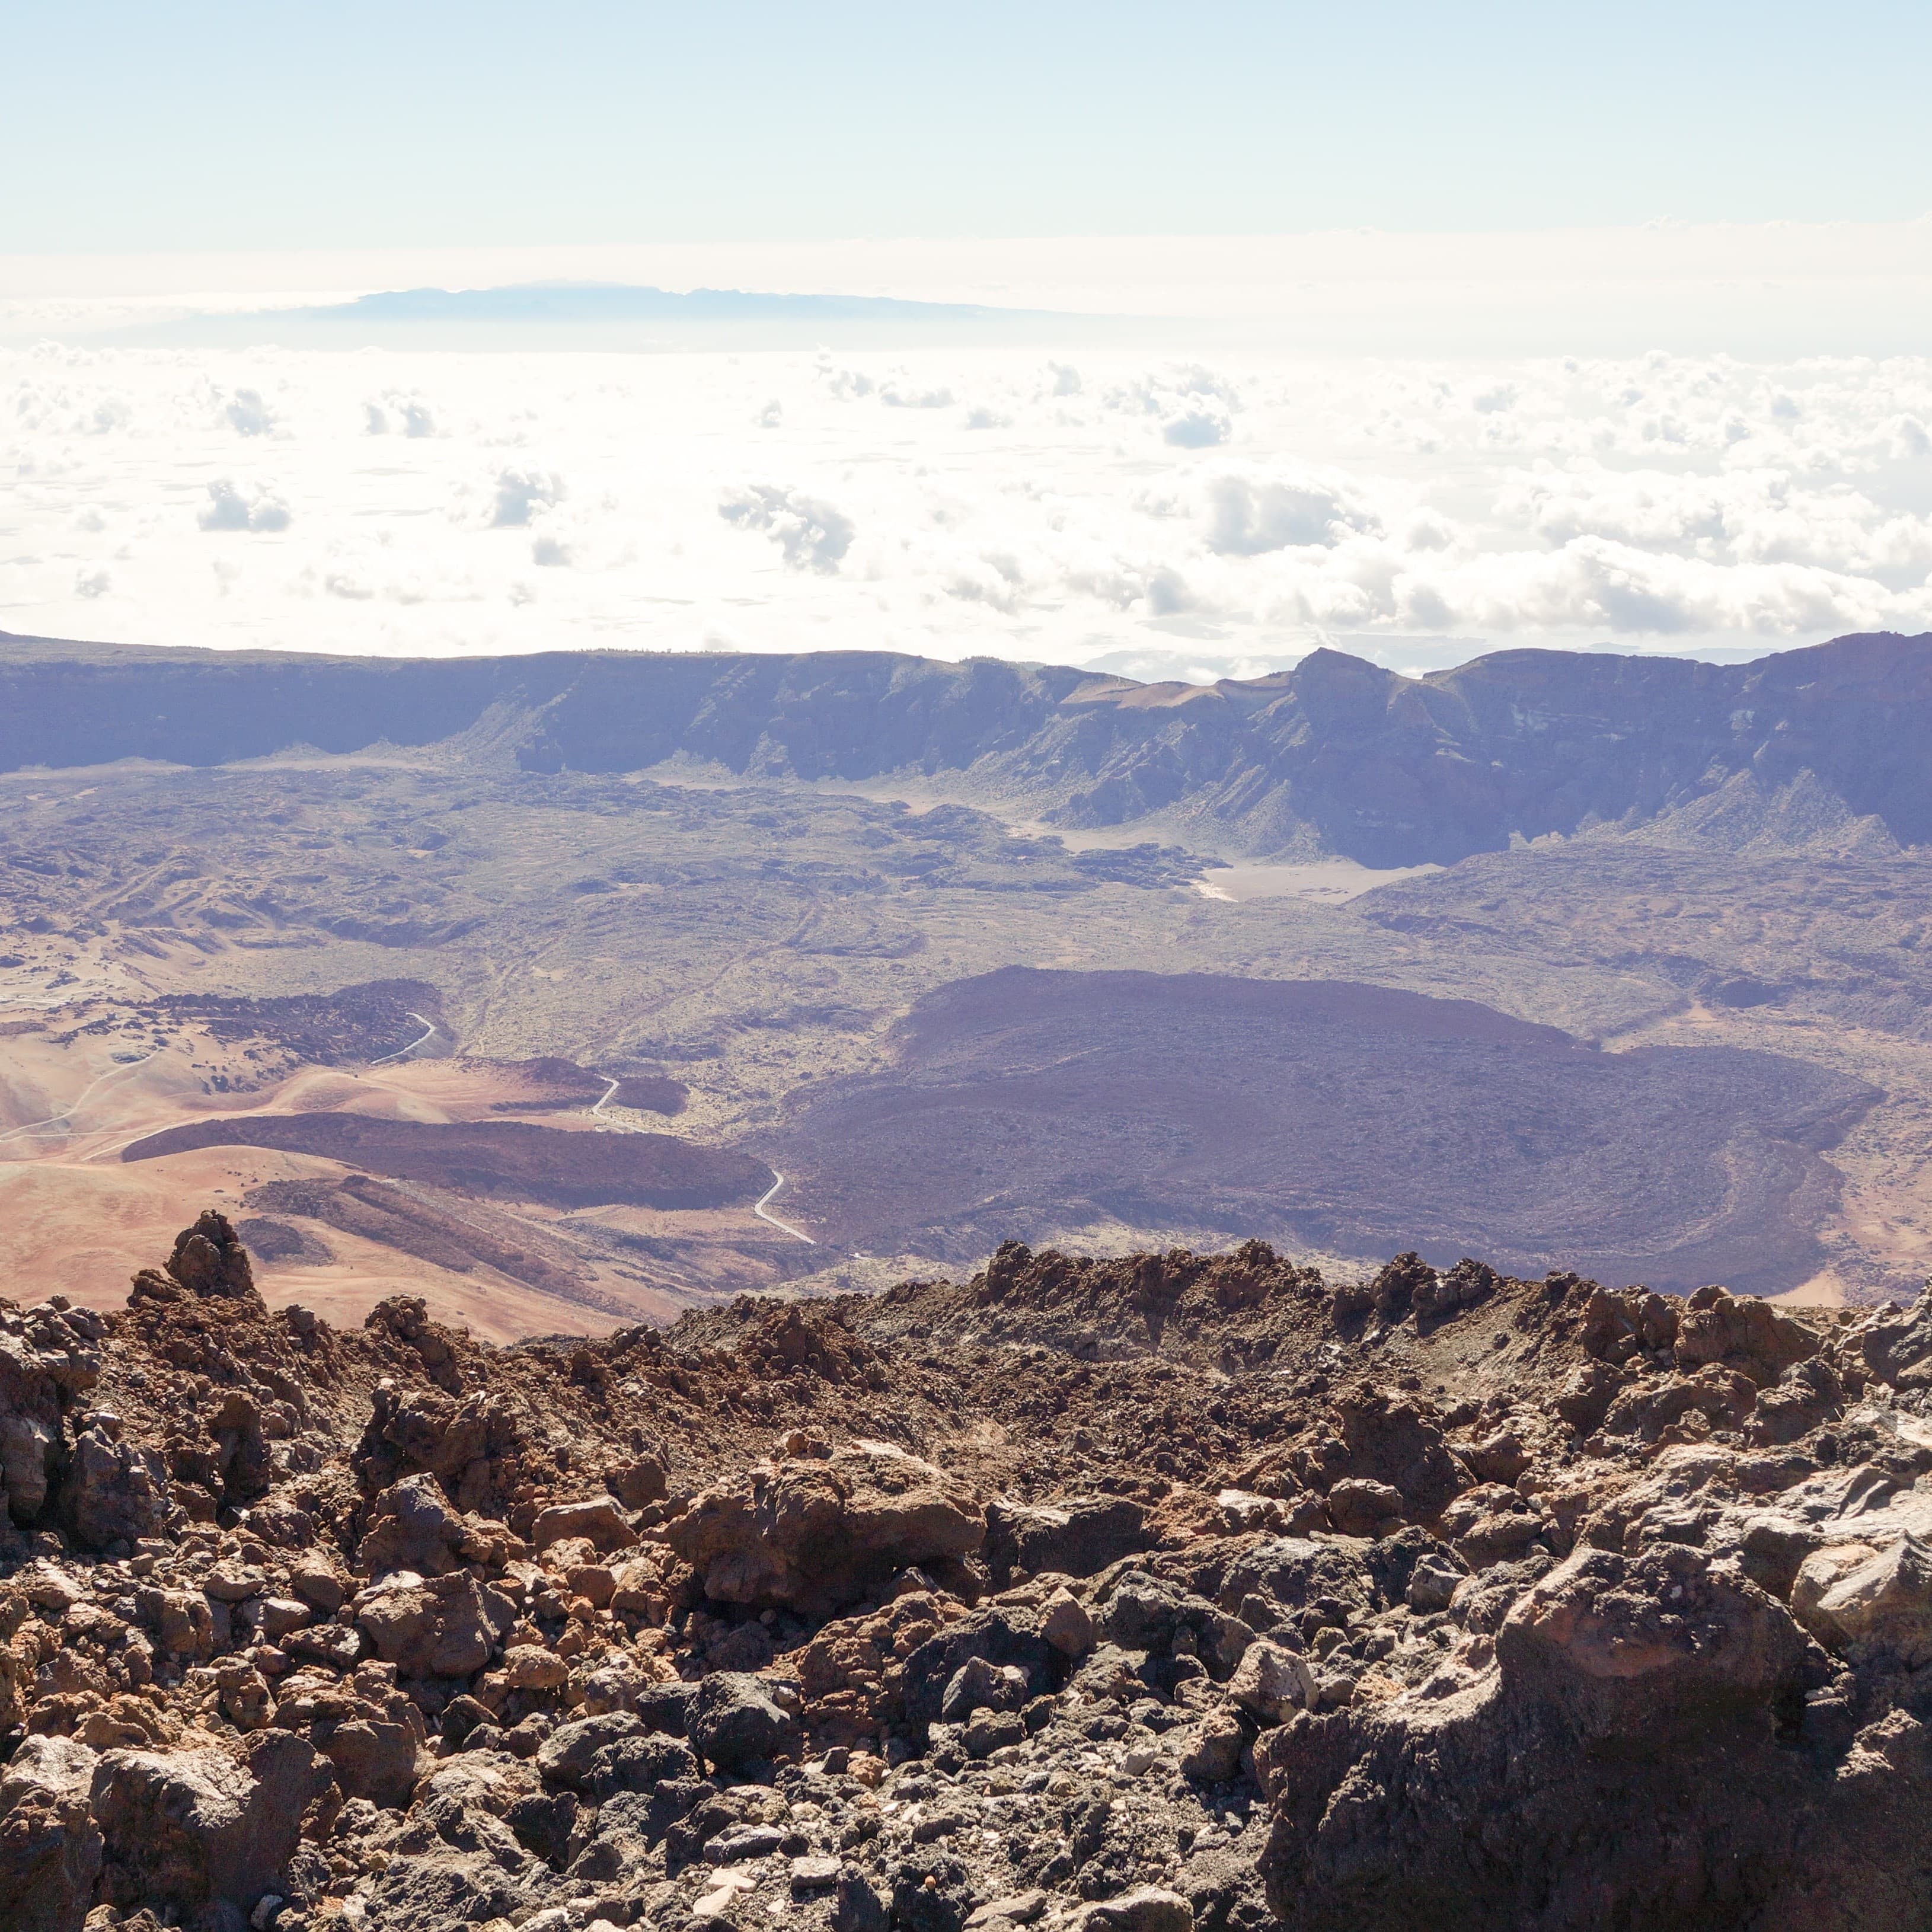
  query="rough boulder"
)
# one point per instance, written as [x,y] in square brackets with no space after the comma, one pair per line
[812,1531]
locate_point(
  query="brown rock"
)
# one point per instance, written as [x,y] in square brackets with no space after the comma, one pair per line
[594,1582]
[1742,1332]
[50,1847]
[598,1519]
[637,1590]
[1585,1399]
[1632,1643]
[1806,1396]
[278,1617]
[1146,1908]
[114,1492]
[528,1667]
[1721,1397]
[377,1759]
[1072,1536]
[1388,1440]
[183,1828]
[1065,1624]
[1272,1682]
[1499,1458]
[246,1700]
[1852,1593]
[1214,1755]
[1498,1536]
[209,1259]
[438,1627]
[314,1580]
[1358,1506]
[639,1483]
[813,1534]
[412,1526]
[232,1583]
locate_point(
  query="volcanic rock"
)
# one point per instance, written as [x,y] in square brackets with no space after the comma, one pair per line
[1625,1622]
[444,1626]
[734,1721]
[1074,1536]
[812,1534]
[50,1845]
[185,1828]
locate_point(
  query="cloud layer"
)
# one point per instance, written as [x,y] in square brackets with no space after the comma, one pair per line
[959,502]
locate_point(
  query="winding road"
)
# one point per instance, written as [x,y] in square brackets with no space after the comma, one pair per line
[403,1053]
[758,1209]
[797,1234]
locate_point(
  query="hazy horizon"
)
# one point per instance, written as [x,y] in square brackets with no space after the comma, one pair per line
[1238,339]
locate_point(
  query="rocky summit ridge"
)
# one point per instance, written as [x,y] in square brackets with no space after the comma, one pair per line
[1143,1595]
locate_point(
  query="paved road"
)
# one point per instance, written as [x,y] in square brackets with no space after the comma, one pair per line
[770,1193]
[797,1234]
[403,1053]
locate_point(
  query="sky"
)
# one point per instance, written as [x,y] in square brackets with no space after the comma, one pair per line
[1414,330]
[132,127]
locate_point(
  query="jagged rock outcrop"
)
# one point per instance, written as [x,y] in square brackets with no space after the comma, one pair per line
[817,1528]
[1137,1594]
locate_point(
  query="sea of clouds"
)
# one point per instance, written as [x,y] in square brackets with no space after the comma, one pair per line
[1158,515]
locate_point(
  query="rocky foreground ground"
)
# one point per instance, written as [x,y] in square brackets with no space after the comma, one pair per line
[1138,1596]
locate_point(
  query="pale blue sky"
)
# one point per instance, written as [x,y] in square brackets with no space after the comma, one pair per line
[152,125]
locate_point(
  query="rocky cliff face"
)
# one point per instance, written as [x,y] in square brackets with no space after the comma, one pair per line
[1149,1595]
[1336,755]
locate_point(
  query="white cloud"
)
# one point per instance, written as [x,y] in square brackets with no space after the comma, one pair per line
[1197,405]
[1247,514]
[901,394]
[1157,391]
[993,578]
[849,385]
[231,507]
[812,534]
[1197,429]
[247,414]
[1745,516]
[1592,583]
[520,494]
[393,414]
[1662,502]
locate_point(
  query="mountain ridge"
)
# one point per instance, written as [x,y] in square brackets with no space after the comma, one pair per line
[1335,756]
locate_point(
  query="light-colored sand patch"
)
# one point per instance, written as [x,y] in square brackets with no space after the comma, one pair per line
[86,1230]
[1824,1290]
[363,1273]
[1334,881]
[51,1093]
